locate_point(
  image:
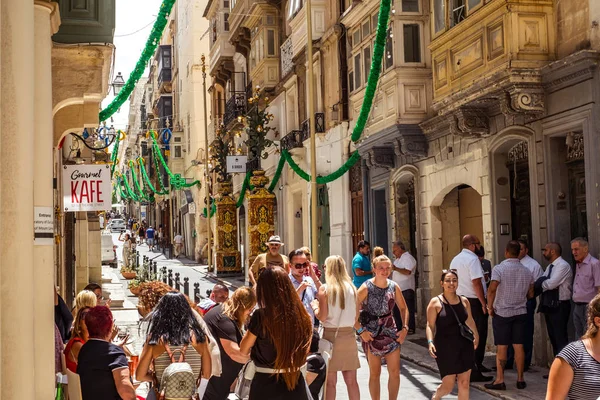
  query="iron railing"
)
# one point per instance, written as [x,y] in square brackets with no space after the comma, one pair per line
[287,54]
[319,124]
[235,107]
[294,139]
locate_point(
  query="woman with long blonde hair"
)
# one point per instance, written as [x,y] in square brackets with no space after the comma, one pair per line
[85,298]
[338,305]
[225,322]
[278,339]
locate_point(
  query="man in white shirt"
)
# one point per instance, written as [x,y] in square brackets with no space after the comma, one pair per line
[536,269]
[558,276]
[178,245]
[471,285]
[404,275]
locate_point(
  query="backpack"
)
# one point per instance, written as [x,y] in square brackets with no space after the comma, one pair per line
[178,380]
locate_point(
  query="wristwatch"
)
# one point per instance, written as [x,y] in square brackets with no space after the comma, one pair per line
[360,330]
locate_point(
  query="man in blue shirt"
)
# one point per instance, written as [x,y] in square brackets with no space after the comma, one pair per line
[361,264]
[150,233]
[307,287]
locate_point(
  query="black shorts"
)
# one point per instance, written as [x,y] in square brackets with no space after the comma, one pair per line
[509,330]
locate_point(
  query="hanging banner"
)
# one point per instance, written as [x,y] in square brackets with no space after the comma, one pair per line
[86,188]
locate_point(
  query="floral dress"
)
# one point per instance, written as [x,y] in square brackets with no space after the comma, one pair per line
[380,302]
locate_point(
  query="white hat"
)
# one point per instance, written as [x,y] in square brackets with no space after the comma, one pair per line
[275,239]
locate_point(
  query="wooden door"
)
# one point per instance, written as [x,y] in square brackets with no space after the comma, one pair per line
[577,201]
[356,196]
[520,201]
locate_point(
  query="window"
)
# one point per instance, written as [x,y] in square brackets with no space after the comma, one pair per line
[226,4]
[366,29]
[389,50]
[473,4]
[177,148]
[226,22]
[351,81]
[459,12]
[375,21]
[367,60]
[439,15]
[270,19]
[357,76]
[411,5]
[356,38]
[412,43]
[270,42]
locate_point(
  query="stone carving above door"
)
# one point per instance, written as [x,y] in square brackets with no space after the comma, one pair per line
[528,101]
[382,157]
[470,122]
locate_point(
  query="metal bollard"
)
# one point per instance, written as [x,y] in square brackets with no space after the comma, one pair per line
[196,292]
[163,271]
[186,286]
[170,278]
[177,282]
[154,268]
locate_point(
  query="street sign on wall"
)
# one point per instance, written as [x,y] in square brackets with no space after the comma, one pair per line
[236,164]
[86,188]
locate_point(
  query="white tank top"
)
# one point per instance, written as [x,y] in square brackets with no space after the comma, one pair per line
[336,317]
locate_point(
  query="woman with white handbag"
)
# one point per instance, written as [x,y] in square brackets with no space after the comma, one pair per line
[338,311]
[278,340]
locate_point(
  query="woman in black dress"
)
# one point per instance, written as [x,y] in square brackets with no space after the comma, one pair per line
[278,339]
[452,352]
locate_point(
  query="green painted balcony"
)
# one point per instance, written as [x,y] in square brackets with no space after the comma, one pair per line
[86,21]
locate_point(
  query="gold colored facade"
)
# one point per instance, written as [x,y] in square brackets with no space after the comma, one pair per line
[260,215]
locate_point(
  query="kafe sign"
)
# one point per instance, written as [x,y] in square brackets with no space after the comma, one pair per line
[86,187]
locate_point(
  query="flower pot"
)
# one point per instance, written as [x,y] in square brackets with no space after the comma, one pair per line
[135,290]
[129,275]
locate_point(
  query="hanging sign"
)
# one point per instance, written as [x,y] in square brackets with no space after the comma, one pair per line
[86,188]
[236,164]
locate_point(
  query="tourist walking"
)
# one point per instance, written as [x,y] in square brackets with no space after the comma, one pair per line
[338,305]
[173,330]
[361,264]
[403,274]
[178,245]
[586,284]
[512,285]
[575,371]
[150,235]
[102,366]
[555,300]
[278,339]
[306,286]
[271,258]
[449,343]
[225,321]
[377,328]
[128,248]
[471,284]
[142,233]
[536,270]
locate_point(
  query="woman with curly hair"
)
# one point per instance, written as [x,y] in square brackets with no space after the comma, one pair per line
[225,322]
[173,327]
[278,339]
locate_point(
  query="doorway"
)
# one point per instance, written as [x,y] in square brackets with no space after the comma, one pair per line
[380,220]
[324,225]
[356,201]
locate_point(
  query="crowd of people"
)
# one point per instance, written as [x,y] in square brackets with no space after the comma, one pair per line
[290,333]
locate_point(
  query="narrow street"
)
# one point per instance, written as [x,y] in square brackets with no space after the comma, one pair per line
[416,382]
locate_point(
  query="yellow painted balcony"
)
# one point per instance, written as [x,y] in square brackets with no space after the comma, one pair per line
[486,45]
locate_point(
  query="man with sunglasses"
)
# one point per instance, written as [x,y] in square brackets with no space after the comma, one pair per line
[306,286]
[271,258]
[471,285]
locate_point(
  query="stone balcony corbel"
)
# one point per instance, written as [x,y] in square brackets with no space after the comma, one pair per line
[470,122]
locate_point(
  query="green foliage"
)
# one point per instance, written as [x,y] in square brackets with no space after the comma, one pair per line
[220,148]
[256,121]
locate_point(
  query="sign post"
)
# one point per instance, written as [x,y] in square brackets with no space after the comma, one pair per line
[86,188]
[236,164]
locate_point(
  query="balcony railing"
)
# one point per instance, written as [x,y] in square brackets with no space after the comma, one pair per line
[235,106]
[319,124]
[294,139]
[287,54]
[164,76]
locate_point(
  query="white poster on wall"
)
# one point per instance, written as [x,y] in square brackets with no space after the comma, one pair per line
[86,188]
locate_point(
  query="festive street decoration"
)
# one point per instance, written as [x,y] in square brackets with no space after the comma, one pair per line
[228,256]
[141,163]
[147,53]
[257,121]
[219,149]
[261,221]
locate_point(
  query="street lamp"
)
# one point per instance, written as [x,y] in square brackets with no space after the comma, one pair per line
[118,84]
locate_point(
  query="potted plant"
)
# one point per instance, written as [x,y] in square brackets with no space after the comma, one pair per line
[128,272]
[135,287]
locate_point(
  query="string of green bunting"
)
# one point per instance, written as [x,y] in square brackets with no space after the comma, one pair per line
[136,184]
[277,174]
[147,53]
[147,181]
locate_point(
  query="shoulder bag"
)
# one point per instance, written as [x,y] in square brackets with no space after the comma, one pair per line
[324,344]
[465,331]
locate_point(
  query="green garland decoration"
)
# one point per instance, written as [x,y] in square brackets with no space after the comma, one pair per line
[141,195]
[277,174]
[138,71]
[378,50]
[121,192]
[245,187]
[213,210]
[147,178]
[115,152]
[130,192]
[163,188]
[321,180]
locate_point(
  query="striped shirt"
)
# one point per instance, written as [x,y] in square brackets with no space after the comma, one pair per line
[191,357]
[586,371]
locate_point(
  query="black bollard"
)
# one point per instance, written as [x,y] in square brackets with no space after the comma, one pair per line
[154,268]
[163,271]
[196,292]
[186,286]
[177,282]
[170,278]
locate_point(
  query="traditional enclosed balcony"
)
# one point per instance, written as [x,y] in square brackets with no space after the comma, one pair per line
[164,72]
[491,45]
[297,19]
[86,22]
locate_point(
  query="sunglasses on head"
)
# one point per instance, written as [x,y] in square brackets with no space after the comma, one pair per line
[445,271]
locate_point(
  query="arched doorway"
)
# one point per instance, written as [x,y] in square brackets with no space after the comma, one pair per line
[511,194]
[458,214]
